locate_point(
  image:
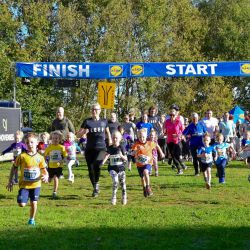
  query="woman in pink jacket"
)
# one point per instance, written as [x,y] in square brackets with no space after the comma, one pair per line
[173,128]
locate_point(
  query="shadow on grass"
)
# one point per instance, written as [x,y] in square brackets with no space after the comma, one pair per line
[41,237]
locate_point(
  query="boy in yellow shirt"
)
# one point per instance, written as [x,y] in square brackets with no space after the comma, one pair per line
[55,152]
[31,165]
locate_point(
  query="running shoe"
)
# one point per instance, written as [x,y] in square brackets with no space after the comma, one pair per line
[149,191]
[31,222]
[72,178]
[145,192]
[54,196]
[184,167]
[156,174]
[180,172]
[208,186]
[113,201]
[124,199]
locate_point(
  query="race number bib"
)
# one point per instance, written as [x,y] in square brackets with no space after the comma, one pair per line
[55,156]
[209,158]
[143,159]
[220,152]
[31,174]
[115,160]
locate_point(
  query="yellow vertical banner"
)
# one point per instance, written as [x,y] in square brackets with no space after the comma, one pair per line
[106,94]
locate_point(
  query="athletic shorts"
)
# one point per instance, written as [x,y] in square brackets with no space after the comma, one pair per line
[54,172]
[205,166]
[24,194]
[141,169]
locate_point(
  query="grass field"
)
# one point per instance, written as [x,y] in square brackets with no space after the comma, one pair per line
[181,214]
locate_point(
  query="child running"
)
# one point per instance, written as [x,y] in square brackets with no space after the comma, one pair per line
[144,158]
[71,147]
[127,142]
[245,145]
[116,154]
[17,148]
[56,153]
[222,158]
[31,165]
[43,143]
[153,138]
[206,159]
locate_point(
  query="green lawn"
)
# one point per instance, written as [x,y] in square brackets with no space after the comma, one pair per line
[181,214]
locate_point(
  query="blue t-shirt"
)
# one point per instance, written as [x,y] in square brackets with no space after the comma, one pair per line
[245,142]
[196,131]
[221,150]
[147,125]
[209,153]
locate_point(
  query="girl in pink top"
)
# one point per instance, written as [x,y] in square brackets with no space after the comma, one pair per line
[173,128]
[153,137]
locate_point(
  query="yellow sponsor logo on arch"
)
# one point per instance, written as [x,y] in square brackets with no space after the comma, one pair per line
[245,68]
[116,70]
[137,70]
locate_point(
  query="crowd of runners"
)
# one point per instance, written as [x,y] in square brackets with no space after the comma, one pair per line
[124,144]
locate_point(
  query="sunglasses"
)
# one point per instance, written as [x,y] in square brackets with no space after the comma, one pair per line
[171,115]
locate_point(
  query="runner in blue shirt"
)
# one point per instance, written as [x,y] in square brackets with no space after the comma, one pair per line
[205,154]
[144,124]
[222,158]
[195,132]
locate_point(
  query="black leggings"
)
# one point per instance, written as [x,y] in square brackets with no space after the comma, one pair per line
[175,152]
[94,158]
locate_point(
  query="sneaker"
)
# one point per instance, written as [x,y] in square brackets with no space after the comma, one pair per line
[180,172]
[113,201]
[208,186]
[156,174]
[77,163]
[184,167]
[61,177]
[54,196]
[173,167]
[31,222]
[149,191]
[222,180]
[124,199]
[197,175]
[145,192]
[95,193]
[72,178]
[97,188]
[169,161]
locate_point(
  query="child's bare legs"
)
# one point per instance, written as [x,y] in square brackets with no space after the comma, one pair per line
[155,164]
[33,209]
[146,183]
[56,182]
[207,177]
